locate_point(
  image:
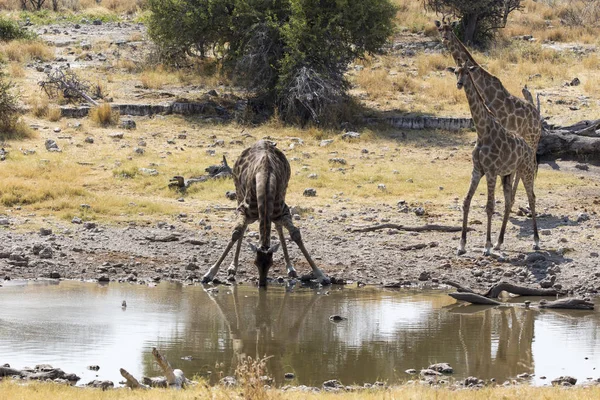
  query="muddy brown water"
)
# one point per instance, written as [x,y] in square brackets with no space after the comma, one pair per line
[72,325]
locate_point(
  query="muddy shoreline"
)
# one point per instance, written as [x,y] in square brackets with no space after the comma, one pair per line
[174,251]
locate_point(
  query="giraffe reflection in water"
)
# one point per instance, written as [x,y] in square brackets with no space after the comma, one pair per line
[496,342]
[275,328]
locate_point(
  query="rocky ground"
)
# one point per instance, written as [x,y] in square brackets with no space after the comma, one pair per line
[569,258]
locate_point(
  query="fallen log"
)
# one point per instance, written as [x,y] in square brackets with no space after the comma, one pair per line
[131,382]
[495,290]
[570,304]
[40,373]
[459,287]
[474,298]
[424,228]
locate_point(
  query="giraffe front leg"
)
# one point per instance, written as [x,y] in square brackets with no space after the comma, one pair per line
[288,263]
[475,178]
[232,270]
[508,192]
[489,209]
[514,188]
[297,238]
[237,235]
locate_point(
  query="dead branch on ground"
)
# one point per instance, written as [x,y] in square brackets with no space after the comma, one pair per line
[424,228]
[66,83]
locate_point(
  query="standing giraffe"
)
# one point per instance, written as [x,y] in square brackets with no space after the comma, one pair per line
[516,115]
[498,152]
[261,175]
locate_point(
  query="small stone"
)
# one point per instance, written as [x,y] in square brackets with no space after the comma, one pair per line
[76,220]
[86,46]
[139,150]
[4,221]
[430,372]
[54,275]
[148,171]
[289,375]
[337,318]
[351,135]
[325,142]
[471,381]
[411,371]
[56,130]
[419,211]
[309,192]
[381,187]
[127,124]
[231,195]
[46,253]
[424,276]
[93,367]
[442,367]
[337,160]
[313,176]
[583,167]
[116,135]
[89,139]
[45,231]
[97,22]
[561,380]
[89,225]
[583,217]
[51,145]
[103,278]
[575,82]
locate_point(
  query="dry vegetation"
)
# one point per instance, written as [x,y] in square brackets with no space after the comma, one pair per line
[40,391]
[107,174]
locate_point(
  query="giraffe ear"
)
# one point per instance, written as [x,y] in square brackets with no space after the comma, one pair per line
[473,68]
[451,69]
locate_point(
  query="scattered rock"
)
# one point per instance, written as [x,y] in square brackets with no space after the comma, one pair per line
[444,368]
[51,145]
[472,381]
[229,381]
[116,135]
[231,195]
[411,371]
[148,171]
[127,124]
[104,385]
[430,372]
[93,367]
[337,318]
[103,278]
[45,231]
[309,192]
[325,142]
[424,276]
[575,82]
[583,217]
[561,380]
[351,135]
[289,375]
[89,225]
[54,275]
[89,139]
[583,167]
[337,160]
[76,220]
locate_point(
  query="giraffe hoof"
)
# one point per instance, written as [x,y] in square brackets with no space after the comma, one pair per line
[231,272]
[231,278]
[206,279]
[536,247]
[460,252]
[325,281]
[292,274]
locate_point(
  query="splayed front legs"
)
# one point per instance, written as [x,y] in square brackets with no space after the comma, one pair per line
[237,235]
[286,221]
[288,264]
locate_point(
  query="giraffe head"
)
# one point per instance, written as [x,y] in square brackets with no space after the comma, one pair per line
[263,261]
[445,30]
[462,73]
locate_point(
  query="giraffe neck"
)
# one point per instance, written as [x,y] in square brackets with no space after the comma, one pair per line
[479,111]
[460,52]
[264,193]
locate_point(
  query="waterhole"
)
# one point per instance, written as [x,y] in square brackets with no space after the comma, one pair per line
[72,325]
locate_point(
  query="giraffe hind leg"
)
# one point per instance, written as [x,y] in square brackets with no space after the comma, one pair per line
[531,197]
[489,209]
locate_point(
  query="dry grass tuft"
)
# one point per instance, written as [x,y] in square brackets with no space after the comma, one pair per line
[39,105]
[53,114]
[157,78]
[103,115]
[252,376]
[27,50]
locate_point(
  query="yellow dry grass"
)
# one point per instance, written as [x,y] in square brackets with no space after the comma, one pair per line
[49,391]
[104,115]
[27,50]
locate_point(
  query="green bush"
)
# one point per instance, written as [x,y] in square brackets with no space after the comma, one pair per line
[11,127]
[291,54]
[10,30]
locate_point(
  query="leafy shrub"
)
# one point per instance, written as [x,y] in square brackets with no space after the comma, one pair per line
[291,54]
[10,30]
[11,127]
